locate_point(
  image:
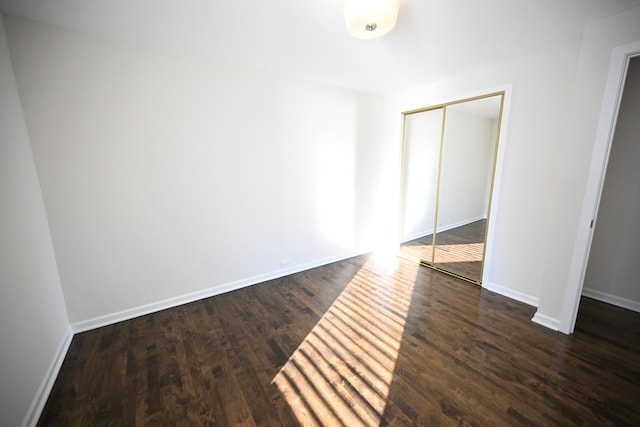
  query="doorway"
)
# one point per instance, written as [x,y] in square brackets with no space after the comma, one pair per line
[620,59]
[613,268]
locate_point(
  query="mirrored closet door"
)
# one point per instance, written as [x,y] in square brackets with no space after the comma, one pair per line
[448,165]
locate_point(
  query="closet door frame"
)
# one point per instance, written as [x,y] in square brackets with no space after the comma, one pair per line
[494,197]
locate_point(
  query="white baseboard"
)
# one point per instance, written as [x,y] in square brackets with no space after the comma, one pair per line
[546,321]
[612,299]
[108,319]
[42,394]
[539,318]
[510,293]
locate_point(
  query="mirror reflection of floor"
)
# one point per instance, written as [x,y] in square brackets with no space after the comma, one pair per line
[458,250]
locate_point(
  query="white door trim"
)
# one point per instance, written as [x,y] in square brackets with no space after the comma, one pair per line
[593,192]
[497,184]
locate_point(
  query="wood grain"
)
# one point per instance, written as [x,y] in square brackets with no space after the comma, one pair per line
[353,343]
[459,250]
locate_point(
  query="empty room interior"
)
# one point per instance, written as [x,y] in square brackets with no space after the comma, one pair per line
[336,212]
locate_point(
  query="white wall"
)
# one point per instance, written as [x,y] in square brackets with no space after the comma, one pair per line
[420,180]
[467,163]
[166,175]
[542,89]
[556,102]
[492,163]
[34,329]
[613,269]
[574,155]
[466,166]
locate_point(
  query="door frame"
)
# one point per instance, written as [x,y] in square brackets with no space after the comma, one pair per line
[593,193]
[506,91]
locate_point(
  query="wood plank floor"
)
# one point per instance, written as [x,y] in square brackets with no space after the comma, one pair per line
[358,342]
[458,250]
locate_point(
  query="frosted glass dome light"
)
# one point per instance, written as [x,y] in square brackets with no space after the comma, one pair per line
[368,19]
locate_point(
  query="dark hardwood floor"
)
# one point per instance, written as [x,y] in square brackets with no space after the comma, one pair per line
[458,250]
[353,343]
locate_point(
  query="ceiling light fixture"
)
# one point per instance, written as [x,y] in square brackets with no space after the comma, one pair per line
[368,19]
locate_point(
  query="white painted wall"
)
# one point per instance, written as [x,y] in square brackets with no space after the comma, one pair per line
[574,154]
[466,165]
[613,268]
[492,163]
[33,320]
[420,180]
[542,88]
[165,175]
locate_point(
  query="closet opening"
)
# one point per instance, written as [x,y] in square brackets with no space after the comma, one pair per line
[449,157]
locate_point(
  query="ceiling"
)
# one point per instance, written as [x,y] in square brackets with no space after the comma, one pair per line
[307,38]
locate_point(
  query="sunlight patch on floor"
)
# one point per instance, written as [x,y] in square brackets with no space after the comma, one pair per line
[341,373]
[462,252]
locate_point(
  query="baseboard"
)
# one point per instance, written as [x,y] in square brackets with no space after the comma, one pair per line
[42,394]
[546,321]
[510,293]
[612,299]
[109,319]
